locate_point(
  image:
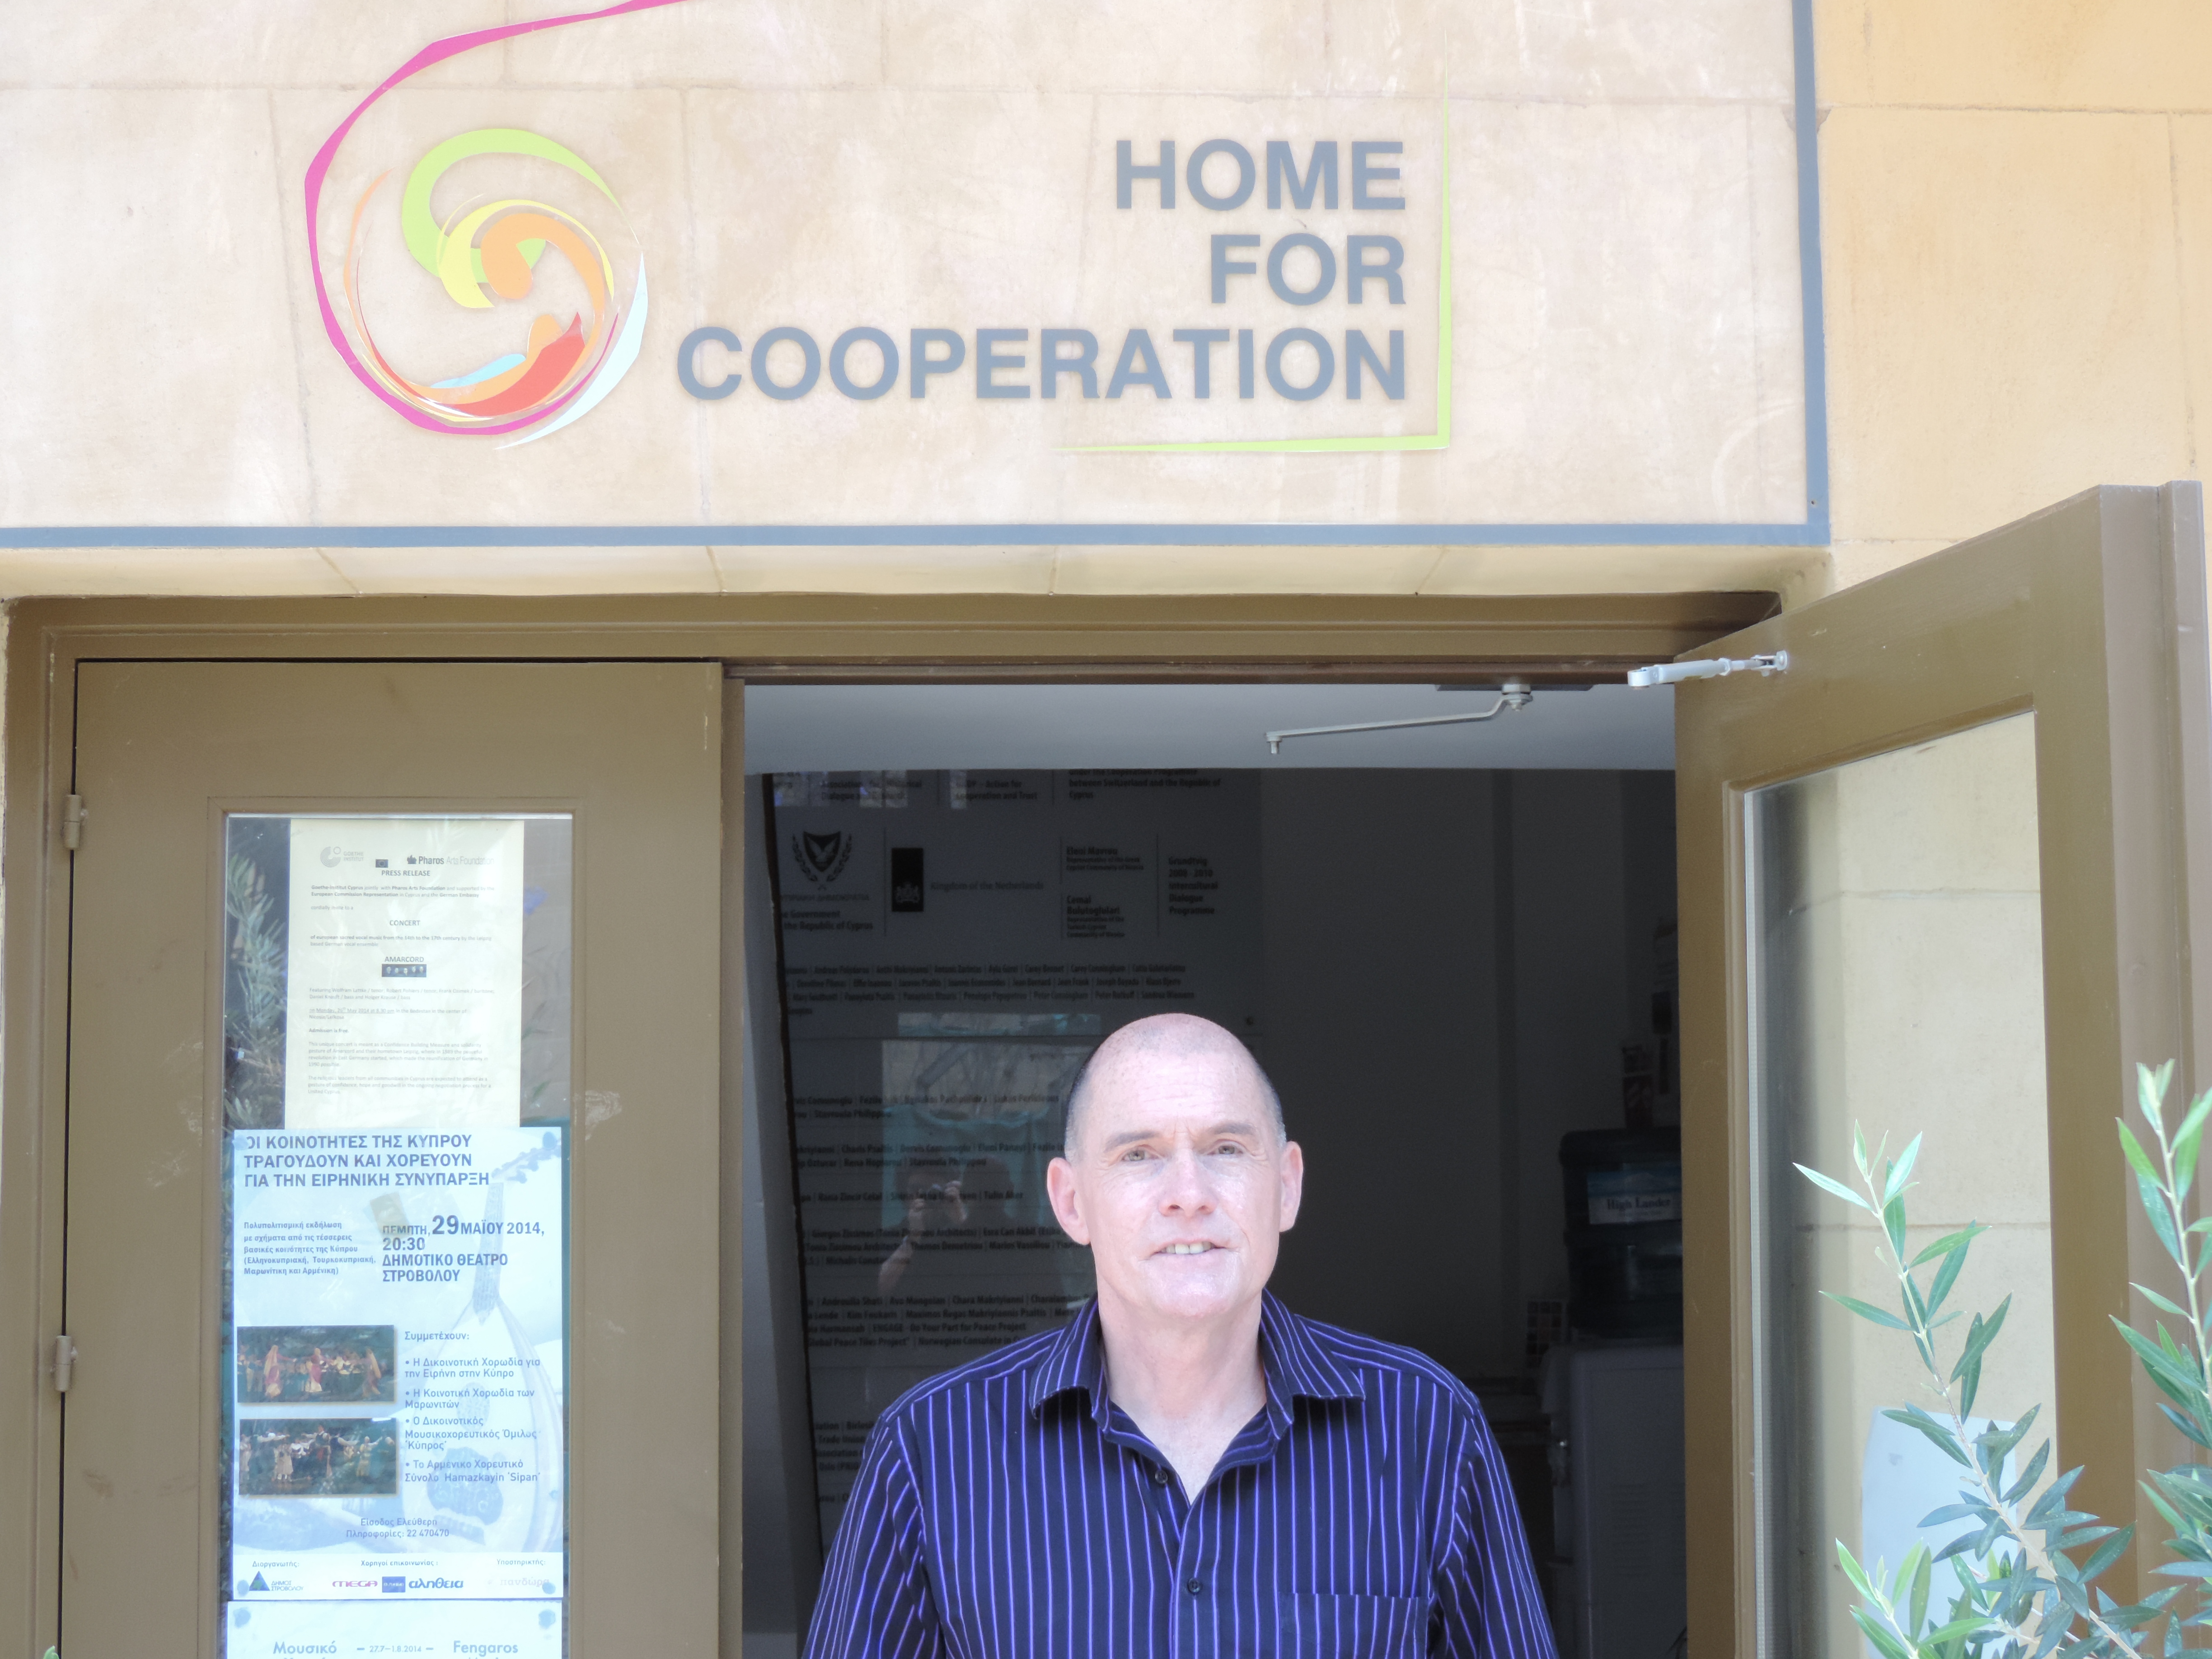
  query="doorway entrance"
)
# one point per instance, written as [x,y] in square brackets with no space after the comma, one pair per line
[127,776]
[1452,945]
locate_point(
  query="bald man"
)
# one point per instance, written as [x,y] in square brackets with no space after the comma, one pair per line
[1188,1467]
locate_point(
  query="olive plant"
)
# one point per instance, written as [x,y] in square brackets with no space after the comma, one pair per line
[2026,1572]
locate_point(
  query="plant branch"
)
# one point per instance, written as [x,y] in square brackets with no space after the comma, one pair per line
[2034,1555]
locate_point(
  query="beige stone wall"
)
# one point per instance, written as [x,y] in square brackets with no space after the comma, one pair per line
[2017,251]
[2016,199]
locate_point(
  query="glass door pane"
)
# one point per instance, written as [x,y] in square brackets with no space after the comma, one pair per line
[1895,966]
[397,1047]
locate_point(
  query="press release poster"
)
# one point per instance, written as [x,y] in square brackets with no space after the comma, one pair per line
[955,943]
[398,1351]
[404,992]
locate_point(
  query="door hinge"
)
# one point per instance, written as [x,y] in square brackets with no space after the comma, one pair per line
[1708,668]
[64,1361]
[73,817]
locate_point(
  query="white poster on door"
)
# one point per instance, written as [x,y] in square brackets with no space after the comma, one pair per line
[395,1631]
[403,993]
[398,1364]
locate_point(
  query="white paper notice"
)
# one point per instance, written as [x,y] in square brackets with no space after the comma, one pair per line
[398,1365]
[404,999]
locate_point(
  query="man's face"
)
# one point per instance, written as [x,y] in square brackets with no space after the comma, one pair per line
[1178,1186]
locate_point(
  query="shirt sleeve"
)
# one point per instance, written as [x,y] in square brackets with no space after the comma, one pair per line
[1488,1605]
[876,1601]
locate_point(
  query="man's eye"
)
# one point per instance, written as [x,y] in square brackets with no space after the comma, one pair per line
[1135,1155]
[1228,1149]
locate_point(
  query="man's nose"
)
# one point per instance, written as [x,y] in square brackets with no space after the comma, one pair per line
[1187,1187]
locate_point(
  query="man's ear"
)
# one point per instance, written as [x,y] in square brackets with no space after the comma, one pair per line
[1293,1165]
[1060,1186]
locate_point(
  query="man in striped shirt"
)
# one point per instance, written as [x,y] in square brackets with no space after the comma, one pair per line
[1188,1468]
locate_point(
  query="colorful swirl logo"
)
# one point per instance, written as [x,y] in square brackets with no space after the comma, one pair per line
[562,370]
[484,251]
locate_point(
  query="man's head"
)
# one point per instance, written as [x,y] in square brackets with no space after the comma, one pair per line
[1176,1172]
[1160,1034]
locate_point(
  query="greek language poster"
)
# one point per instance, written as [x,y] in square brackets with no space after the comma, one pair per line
[399,1327]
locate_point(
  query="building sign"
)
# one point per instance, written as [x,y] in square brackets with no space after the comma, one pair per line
[912,305]
[1260,337]
[715,272]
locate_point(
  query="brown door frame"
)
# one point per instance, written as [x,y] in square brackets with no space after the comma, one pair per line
[773,638]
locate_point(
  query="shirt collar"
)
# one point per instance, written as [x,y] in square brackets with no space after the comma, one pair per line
[1297,1366]
[1076,1359]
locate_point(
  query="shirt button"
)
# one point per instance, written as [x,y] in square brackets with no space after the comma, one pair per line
[1159,1475]
[1195,1588]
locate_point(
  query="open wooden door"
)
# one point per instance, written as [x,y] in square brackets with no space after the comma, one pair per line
[1944,873]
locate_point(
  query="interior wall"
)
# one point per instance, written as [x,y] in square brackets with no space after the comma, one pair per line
[1647,862]
[1594,874]
[1381,1036]
[1430,1058]
[1570,990]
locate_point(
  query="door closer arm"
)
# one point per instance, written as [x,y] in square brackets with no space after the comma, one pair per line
[1710,668]
[1514,693]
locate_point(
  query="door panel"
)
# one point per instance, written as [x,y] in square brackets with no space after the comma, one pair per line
[632,754]
[1895,971]
[1935,877]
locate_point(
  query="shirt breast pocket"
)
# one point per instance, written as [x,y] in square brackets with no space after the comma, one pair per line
[1352,1627]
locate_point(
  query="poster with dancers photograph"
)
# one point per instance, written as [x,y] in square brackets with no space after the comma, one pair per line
[319,1457]
[400,1374]
[317,1364]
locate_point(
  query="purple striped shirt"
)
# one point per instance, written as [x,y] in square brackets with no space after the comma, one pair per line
[1008,1509]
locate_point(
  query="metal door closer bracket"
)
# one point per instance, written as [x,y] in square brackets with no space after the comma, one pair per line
[1514,693]
[1710,668]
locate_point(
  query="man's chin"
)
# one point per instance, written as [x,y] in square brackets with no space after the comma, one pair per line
[1194,1287]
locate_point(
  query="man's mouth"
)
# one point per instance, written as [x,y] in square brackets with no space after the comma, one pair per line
[1189,1249]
